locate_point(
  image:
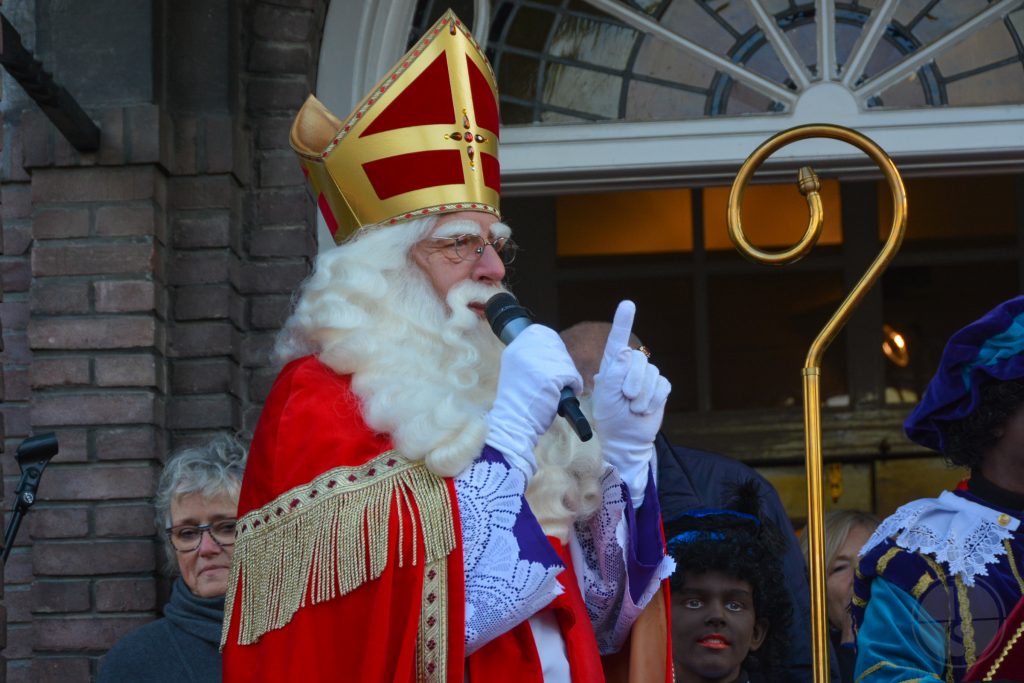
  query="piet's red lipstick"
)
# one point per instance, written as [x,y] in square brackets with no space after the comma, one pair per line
[714,641]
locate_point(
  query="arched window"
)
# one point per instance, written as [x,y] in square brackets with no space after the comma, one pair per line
[706,80]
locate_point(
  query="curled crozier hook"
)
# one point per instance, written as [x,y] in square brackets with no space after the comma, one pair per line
[809,186]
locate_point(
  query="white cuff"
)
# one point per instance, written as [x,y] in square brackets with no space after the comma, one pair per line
[634,471]
[502,443]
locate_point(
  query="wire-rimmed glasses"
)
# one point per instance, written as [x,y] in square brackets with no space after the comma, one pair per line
[471,247]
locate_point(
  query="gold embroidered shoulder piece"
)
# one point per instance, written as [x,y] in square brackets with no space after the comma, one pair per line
[328,537]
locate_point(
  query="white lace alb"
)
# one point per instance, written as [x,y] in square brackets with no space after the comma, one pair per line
[502,589]
[599,547]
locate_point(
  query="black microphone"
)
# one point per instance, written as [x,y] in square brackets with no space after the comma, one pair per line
[32,456]
[508,319]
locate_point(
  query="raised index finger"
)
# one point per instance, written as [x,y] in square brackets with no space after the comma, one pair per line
[622,327]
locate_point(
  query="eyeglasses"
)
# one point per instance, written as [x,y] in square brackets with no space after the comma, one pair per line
[471,247]
[187,537]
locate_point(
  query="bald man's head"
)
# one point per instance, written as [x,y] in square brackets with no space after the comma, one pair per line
[585,342]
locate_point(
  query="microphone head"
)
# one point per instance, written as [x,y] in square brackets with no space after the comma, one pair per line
[501,309]
[37,449]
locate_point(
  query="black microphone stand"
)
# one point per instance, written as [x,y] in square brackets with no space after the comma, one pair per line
[32,456]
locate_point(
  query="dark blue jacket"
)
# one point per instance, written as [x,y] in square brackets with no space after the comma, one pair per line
[689,479]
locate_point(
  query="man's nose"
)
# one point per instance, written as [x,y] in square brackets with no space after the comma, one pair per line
[490,267]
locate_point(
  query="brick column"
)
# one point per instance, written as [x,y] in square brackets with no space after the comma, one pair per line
[3,519]
[206,312]
[280,238]
[94,357]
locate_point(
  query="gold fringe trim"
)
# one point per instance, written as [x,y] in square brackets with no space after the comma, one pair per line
[329,537]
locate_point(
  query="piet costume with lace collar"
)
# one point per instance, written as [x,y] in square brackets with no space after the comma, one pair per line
[940,576]
[939,593]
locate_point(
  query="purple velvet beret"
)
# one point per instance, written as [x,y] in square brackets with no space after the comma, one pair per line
[988,350]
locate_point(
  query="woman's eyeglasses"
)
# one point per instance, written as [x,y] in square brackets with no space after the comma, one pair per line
[187,537]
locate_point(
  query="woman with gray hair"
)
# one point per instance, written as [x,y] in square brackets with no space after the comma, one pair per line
[196,502]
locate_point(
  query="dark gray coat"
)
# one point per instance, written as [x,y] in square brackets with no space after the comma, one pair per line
[180,648]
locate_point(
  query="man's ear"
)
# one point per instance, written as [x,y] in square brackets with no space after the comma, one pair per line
[759,634]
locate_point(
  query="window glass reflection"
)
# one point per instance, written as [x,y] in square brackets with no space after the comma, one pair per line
[761,327]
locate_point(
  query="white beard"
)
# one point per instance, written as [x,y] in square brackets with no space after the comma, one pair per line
[426,372]
[429,379]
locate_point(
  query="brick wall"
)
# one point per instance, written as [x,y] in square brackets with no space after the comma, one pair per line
[144,286]
[3,519]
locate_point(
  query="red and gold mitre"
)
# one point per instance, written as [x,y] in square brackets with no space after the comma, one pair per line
[424,141]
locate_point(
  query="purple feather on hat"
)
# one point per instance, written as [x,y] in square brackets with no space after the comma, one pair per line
[989,349]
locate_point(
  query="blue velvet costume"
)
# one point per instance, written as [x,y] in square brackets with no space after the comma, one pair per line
[938,579]
[917,620]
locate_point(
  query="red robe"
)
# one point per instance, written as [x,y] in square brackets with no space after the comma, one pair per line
[348,563]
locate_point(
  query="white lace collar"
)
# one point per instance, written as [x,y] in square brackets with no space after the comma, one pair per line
[962,534]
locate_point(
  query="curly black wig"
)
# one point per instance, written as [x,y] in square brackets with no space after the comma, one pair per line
[968,439]
[739,542]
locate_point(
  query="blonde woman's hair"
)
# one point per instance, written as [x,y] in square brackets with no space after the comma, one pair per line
[838,525]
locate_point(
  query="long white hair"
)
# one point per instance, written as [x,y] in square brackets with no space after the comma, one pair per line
[426,373]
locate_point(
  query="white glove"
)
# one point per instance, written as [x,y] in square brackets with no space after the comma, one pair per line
[629,403]
[535,368]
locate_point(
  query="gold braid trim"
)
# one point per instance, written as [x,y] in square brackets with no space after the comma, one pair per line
[1012,561]
[432,637]
[922,585]
[966,622]
[873,668]
[1006,650]
[1019,633]
[882,664]
[330,536]
[885,559]
[941,576]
